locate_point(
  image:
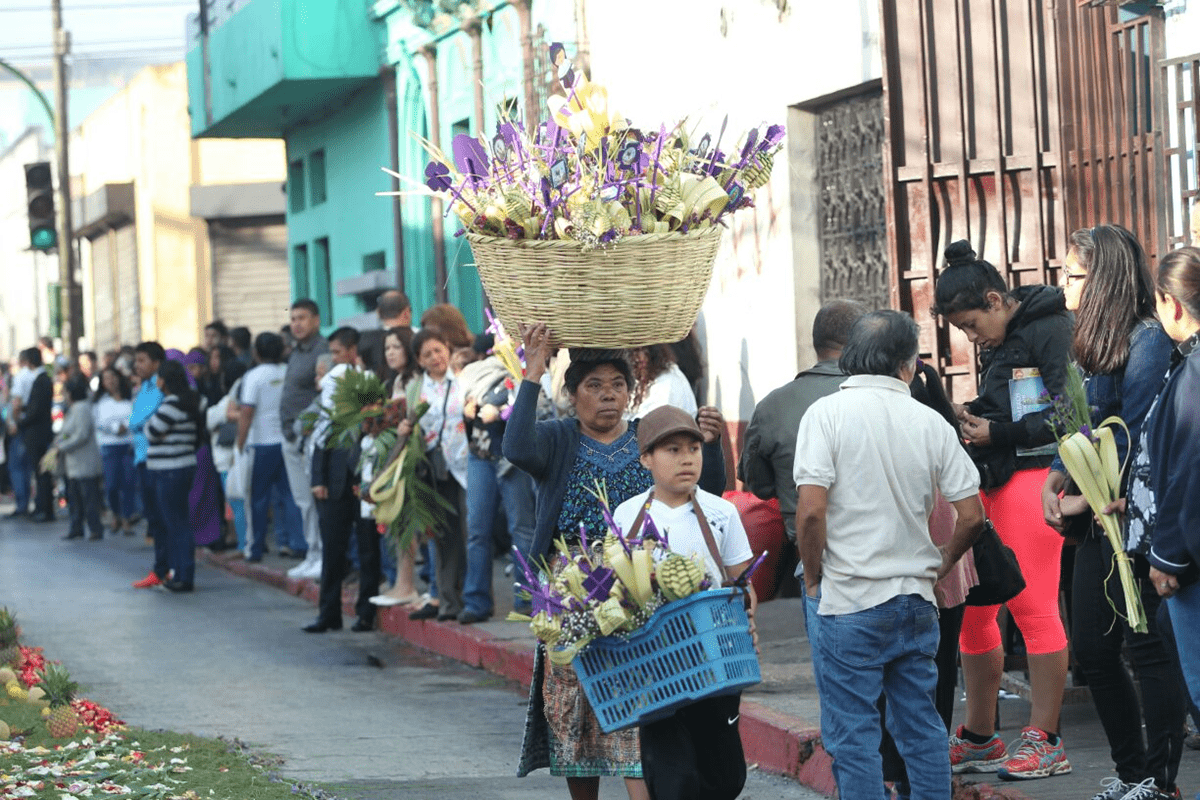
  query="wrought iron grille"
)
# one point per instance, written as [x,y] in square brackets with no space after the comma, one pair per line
[853,219]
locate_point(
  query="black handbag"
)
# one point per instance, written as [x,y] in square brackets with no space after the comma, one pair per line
[1000,578]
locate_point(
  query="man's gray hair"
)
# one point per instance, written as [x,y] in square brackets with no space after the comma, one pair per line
[881,343]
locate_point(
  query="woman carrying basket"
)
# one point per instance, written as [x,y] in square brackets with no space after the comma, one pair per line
[566,457]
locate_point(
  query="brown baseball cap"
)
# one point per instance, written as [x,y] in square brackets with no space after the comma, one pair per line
[662,422]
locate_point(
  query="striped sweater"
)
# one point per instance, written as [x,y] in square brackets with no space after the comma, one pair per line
[173,437]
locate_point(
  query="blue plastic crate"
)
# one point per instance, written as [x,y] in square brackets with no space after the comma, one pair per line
[691,649]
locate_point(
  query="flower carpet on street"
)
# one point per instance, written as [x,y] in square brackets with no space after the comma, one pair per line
[58,746]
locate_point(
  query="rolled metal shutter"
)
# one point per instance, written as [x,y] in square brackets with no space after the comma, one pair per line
[103,297]
[128,290]
[251,283]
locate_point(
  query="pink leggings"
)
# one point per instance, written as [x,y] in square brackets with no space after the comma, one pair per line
[1016,510]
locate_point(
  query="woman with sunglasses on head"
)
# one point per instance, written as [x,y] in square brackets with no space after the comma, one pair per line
[1124,353]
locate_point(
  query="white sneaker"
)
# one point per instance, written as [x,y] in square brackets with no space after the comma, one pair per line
[1114,789]
[308,568]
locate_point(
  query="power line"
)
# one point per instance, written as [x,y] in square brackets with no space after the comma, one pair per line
[103,6]
[90,42]
[130,55]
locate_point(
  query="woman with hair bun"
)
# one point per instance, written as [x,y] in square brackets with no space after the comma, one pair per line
[1022,329]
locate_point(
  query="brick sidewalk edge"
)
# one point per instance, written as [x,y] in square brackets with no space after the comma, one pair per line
[773,742]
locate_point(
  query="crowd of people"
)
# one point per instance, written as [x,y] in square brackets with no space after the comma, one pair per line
[883,483]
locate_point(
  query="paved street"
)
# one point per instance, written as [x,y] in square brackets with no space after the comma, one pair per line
[373,718]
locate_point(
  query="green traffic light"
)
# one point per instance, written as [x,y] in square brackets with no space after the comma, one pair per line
[44,238]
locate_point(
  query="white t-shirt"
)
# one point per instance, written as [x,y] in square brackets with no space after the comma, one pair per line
[262,388]
[683,532]
[23,382]
[671,388]
[881,454]
[110,415]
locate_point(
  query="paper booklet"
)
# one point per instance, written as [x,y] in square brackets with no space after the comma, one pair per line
[1027,395]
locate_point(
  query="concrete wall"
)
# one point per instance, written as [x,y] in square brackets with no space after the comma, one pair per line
[24,274]
[352,218]
[752,62]
[141,134]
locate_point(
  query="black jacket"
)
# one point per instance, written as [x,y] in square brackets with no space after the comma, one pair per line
[334,468]
[1038,335]
[35,421]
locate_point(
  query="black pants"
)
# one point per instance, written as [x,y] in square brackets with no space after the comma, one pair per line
[339,520]
[949,624]
[43,499]
[451,545]
[696,753]
[83,502]
[1097,636]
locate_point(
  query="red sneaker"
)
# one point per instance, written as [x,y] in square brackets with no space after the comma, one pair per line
[148,582]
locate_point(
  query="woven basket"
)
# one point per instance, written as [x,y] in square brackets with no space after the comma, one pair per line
[643,290]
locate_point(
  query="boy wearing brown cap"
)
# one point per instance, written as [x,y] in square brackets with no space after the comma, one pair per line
[697,752]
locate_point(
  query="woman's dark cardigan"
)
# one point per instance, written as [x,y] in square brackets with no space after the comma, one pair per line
[547,451]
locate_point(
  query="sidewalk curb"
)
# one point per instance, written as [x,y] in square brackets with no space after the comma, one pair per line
[773,742]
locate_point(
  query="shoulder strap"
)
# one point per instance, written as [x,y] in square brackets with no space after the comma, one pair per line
[705,529]
[708,538]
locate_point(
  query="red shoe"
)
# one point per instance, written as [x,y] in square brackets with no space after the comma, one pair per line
[148,582]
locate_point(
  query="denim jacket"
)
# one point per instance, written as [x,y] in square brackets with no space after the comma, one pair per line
[1129,392]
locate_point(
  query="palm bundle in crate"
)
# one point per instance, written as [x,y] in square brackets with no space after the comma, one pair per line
[604,230]
[644,627]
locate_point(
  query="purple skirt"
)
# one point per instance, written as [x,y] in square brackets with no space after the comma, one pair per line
[205,499]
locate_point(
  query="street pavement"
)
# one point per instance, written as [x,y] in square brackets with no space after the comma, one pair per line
[364,713]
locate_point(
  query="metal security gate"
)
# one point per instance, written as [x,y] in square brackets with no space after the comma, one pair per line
[1010,124]
[104,314]
[851,204]
[972,152]
[250,273]
[128,292]
[1179,112]
[1111,129]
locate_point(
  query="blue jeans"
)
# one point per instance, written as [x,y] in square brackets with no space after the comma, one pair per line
[120,486]
[889,650]
[269,474]
[18,472]
[485,488]
[156,526]
[172,487]
[1184,607]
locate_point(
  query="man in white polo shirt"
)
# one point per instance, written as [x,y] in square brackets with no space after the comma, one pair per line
[869,460]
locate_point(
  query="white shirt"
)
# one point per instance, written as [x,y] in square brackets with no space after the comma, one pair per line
[23,382]
[445,418]
[683,532]
[326,387]
[110,415]
[881,454]
[671,388]
[262,388]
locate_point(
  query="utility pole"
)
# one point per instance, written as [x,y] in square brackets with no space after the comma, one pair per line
[72,306]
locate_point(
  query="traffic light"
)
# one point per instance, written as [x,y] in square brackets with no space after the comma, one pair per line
[39,197]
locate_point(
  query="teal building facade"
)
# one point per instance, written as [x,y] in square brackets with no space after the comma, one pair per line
[349,87]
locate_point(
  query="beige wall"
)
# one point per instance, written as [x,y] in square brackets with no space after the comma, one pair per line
[141,134]
[752,62]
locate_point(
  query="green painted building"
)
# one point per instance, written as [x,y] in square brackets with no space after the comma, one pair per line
[346,85]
